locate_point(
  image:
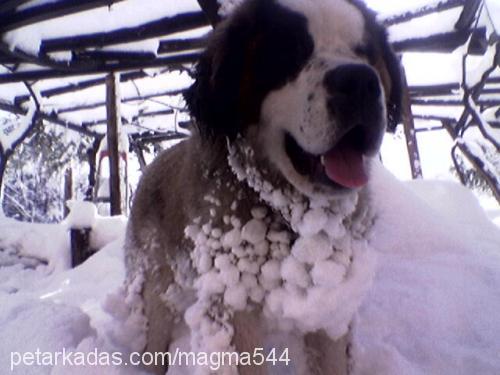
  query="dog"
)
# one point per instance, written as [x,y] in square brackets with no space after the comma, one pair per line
[256,226]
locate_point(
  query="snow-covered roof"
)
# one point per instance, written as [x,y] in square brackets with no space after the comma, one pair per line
[61,51]
[59,47]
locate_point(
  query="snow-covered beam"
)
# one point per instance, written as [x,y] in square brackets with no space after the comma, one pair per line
[154,29]
[158,137]
[130,121]
[14,19]
[33,75]
[98,56]
[50,117]
[477,158]
[124,100]
[179,45]
[73,87]
[445,42]
[434,90]
[424,11]
[454,102]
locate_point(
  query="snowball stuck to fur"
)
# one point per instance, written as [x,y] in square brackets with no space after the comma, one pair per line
[313,222]
[254,231]
[294,272]
[313,249]
[328,273]
[236,296]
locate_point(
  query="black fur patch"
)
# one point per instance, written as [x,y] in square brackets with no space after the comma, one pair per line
[258,49]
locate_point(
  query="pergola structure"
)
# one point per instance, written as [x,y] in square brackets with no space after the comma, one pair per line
[127,54]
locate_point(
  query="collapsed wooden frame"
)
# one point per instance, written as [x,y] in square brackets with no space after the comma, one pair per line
[178,53]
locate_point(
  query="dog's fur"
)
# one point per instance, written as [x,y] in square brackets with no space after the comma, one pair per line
[265,77]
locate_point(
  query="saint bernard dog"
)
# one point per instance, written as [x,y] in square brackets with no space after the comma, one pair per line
[235,230]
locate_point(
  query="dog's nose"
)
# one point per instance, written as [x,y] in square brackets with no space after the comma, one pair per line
[355,82]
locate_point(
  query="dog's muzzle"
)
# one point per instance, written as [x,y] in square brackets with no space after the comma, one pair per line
[355,107]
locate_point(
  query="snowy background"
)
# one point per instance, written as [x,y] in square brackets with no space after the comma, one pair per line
[433,306]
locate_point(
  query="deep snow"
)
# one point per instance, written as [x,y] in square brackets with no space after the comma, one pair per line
[432,308]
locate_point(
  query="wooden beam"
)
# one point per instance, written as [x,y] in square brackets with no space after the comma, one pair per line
[97,122]
[434,90]
[211,10]
[445,42]
[50,117]
[429,129]
[424,11]
[124,100]
[179,45]
[8,5]
[434,118]
[154,29]
[80,245]
[92,161]
[16,19]
[158,137]
[453,102]
[35,75]
[72,87]
[100,57]
[113,113]
[410,134]
[68,189]
[468,14]
[136,147]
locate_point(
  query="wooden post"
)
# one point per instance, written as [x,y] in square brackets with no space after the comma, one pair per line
[92,160]
[140,155]
[80,246]
[410,134]
[68,189]
[113,118]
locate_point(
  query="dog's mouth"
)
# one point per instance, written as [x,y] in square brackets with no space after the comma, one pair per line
[342,167]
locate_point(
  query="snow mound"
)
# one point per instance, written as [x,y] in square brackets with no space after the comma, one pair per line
[62,327]
[42,243]
[433,308]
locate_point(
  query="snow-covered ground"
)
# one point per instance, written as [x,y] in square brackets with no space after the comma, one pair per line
[432,309]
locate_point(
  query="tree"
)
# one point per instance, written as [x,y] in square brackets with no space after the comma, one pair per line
[34,177]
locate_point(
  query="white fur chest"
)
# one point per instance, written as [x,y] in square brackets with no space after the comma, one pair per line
[304,264]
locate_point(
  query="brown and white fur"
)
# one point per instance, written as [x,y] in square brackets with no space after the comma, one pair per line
[292,80]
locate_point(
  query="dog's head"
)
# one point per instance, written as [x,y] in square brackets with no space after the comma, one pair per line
[312,83]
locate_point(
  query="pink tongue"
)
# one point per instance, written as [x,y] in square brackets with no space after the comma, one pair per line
[344,166]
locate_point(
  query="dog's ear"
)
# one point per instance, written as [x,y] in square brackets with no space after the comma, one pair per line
[257,49]
[213,98]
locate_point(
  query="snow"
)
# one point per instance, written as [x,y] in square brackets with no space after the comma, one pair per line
[82,214]
[493,14]
[421,27]
[105,19]
[422,293]
[431,307]
[487,62]
[432,68]
[41,243]
[9,139]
